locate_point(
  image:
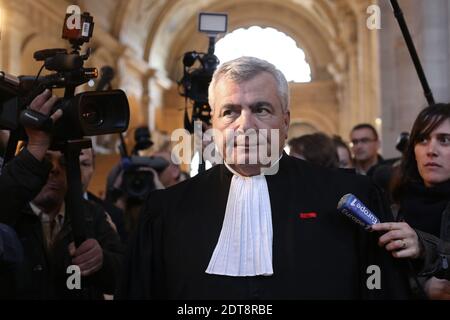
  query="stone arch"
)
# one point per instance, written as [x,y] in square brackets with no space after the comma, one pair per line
[317,52]
[332,34]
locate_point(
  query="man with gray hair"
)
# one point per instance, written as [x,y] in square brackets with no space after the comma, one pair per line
[256,229]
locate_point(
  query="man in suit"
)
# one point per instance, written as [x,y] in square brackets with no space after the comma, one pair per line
[257,230]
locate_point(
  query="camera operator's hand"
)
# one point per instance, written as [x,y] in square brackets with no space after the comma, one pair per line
[88,256]
[39,141]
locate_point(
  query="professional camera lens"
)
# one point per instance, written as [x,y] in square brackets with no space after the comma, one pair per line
[102,112]
[137,184]
[92,114]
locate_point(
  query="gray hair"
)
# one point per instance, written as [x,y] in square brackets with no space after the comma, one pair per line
[246,68]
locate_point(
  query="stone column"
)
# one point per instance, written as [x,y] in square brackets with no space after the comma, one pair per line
[356,67]
[345,70]
[368,70]
[135,77]
[436,47]
[401,93]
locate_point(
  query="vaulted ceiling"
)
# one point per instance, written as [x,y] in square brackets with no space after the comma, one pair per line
[160,31]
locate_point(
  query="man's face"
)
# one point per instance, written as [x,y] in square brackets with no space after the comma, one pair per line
[86,167]
[364,144]
[250,105]
[53,192]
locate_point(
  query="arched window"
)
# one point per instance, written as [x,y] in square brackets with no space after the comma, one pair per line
[268,44]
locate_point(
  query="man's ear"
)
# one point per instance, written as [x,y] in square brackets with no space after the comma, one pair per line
[175,171]
[287,121]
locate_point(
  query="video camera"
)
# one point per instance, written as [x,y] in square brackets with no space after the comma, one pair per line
[138,181]
[402,142]
[195,81]
[138,178]
[84,114]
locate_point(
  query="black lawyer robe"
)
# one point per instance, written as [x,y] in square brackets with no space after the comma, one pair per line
[322,255]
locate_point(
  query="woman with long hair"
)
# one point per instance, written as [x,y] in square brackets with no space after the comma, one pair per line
[422,192]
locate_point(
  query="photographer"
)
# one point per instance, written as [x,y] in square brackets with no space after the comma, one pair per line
[22,179]
[33,186]
[172,174]
[129,188]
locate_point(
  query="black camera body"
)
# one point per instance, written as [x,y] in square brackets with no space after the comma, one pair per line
[402,142]
[139,172]
[85,114]
[195,81]
[198,70]
[138,179]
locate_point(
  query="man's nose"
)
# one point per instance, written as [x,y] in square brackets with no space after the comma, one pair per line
[55,170]
[56,167]
[246,121]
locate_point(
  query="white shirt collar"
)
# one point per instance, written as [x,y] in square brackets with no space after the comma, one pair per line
[244,247]
[38,212]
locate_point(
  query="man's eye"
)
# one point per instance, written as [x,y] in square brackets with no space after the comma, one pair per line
[262,111]
[228,112]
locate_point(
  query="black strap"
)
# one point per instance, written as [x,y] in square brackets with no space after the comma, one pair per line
[35,120]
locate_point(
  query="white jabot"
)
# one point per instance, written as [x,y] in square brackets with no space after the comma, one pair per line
[245,242]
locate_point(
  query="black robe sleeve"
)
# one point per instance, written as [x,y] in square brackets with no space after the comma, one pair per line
[143,255]
[394,272]
[436,257]
[154,269]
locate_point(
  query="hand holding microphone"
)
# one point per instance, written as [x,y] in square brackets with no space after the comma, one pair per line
[400,239]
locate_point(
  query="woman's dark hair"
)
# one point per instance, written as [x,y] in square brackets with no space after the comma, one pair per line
[428,120]
[339,142]
[317,148]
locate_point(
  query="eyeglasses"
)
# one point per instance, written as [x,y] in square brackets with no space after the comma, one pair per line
[362,140]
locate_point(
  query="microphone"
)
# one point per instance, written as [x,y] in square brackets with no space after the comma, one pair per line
[353,208]
[106,76]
